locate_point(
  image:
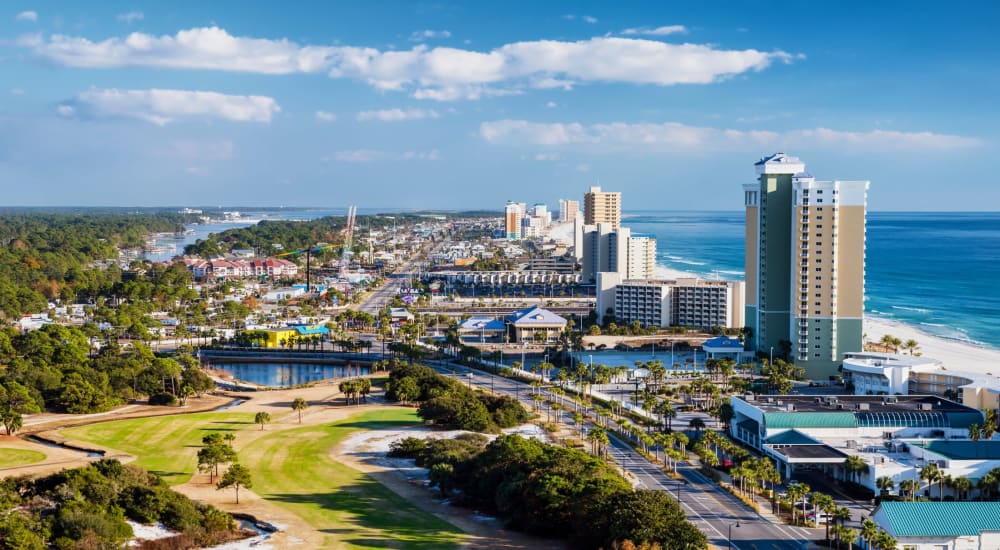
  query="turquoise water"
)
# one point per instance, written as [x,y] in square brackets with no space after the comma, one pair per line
[935,271]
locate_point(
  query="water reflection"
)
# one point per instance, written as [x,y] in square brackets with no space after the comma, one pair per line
[287,374]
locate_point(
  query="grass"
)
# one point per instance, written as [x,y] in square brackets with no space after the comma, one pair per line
[293,469]
[12,458]
[164,445]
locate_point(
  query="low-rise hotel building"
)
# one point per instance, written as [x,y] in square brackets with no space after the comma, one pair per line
[663,303]
[894,374]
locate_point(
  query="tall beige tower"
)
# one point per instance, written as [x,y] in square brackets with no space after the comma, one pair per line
[602,207]
[805,265]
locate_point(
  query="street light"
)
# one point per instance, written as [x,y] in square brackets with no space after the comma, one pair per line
[771,360]
[680,484]
[737,524]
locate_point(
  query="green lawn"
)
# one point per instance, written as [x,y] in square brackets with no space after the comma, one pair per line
[12,458]
[164,445]
[293,469]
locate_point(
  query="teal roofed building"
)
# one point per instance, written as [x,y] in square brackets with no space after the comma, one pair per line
[941,525]
[894,436]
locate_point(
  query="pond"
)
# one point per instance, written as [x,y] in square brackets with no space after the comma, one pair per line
[283,375]
[686,360]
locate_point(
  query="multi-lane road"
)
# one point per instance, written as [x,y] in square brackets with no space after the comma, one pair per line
[712,509]
[725,520]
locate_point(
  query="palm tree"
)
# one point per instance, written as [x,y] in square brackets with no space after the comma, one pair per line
[962,485]
[827,505]
[854,465]
[299,405]
[262,418]
[884,541]
[697,424]
[797,491]
[990,426]
[975,430]
[849,534]
[884,484]
[667,413]
[869,530]
[910,487]
[933,474]
[911,346]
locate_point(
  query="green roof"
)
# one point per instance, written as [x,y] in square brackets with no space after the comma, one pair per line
[791,437]
[963,449]
[938,519]
[794,419]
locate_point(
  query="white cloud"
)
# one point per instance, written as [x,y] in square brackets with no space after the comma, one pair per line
[673,136]
[420,36]
[131,17]
[552,105]
[550,156]
[440,73]
[585,18]
[374,155]
[396,115]
[325,116]
[161,107]
[201,150]
[16,91]
[589,19]
[583,168]
[27,16]
[658,31]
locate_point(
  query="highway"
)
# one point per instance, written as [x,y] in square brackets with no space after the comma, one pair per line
[707,505]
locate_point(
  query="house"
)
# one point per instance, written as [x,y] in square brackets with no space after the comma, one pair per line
[941,525]
[282,337]
[724,347]
[400,315]
[536,325]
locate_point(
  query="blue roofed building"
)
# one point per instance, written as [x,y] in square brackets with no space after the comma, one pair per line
[536,325]
[724,347]
[941,525]
[483,329]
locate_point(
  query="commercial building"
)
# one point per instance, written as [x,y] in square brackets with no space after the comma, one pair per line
[287,336]
[805,264]
[663,303]
[895,436]
[536,325]
[941,525]
[893,374]
[569,210]
[513,214]
[602,207]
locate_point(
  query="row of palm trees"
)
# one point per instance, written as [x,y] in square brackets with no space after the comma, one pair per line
[837,518]
[988,485]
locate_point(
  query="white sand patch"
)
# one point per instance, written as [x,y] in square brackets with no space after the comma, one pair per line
[664,272]
[142,532]
[955,355]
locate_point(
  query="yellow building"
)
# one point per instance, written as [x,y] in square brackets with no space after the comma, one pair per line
[280,337]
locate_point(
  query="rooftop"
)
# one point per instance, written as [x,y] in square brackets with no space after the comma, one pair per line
[938,519]
[811,451]
[962,449]
[873,359]
[535,316]
[855,403]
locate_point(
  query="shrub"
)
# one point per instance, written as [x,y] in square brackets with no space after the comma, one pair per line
[409,447]
[165,399]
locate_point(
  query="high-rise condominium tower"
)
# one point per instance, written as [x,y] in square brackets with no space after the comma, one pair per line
[805,265]
[602,207]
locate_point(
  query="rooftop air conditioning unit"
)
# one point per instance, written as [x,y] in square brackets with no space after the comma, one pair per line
[840,406]
[791,407]
[863,406]
[926,406]
[891,400]
[852,444]
[748,397]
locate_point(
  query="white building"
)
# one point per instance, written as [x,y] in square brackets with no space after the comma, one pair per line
[941,525]
[894,374]
[664,303]
[605,249]
[569,210]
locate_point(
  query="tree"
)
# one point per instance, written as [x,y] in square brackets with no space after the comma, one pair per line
[441,475]
[884,485]
[975,430]
[797,491]
[990,425]
[910,345]
[854,465]
[933,474]
[211,456]
[262,418]
[869,530]
[910,487]
[299,405]
[726,414]
[236,476]
[697,424]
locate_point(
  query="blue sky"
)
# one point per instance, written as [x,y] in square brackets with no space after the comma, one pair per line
[464,105]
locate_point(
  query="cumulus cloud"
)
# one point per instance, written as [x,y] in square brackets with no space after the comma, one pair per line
[585,18]
[550,156]
[374,155]
[420,36]
[674,136]
[396,115]
[440,73]
[325,116]
[131,17]
[658,31]
[161,107]
[29,15]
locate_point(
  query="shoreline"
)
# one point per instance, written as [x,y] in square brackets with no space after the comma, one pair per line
[954,354]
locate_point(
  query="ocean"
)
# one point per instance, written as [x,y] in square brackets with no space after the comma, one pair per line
[935,271]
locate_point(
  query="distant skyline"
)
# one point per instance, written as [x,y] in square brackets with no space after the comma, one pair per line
[462,106]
